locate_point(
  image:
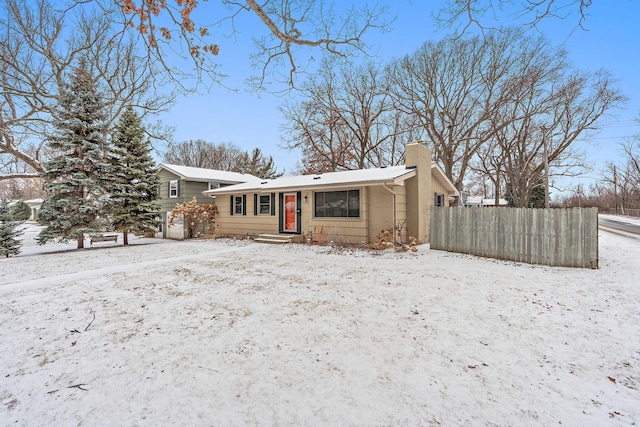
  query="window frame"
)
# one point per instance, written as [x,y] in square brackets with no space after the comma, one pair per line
[266,204]
[348,200]
[174,185]
[238,205]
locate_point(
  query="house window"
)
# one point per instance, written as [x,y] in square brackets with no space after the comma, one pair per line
[438,199]
[239,205]
[173,189]
[264,204]
[214,185]
[337,204]
[264,207]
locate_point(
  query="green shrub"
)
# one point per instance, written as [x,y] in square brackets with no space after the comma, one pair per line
[20,211]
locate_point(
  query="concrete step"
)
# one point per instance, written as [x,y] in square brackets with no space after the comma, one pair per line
[273,238]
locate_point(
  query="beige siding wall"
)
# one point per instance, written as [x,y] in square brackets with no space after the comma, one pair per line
[339,230]
[419,194]
[437,187]
[243,225]
[401,208]
[381,216]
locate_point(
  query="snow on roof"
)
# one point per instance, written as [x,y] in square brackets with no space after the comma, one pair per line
[396,174]
[205,175]
[479,200]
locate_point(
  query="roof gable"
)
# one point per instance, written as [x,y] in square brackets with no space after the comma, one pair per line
[439,174]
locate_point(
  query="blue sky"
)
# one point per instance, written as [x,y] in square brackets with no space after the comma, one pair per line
[249,120]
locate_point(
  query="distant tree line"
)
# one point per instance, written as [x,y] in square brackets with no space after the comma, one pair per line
[226,156]
[618,189]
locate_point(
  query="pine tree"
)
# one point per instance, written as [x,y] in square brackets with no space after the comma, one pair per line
[258,165]
[9,232]
[20,211]
[133,178]
[76,196]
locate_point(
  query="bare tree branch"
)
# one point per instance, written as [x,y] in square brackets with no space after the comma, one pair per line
[292,27]
[462,15]
[37,53]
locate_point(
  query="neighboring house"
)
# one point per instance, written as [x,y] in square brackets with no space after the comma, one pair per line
[179,184]
[479,201]
[348,207]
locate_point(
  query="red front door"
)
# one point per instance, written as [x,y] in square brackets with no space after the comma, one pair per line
[290,212]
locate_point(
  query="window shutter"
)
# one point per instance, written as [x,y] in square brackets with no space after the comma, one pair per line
[273,203]
[255,204]
[244,204]
[178,189]
[281,213]
[299,212]
[231,205]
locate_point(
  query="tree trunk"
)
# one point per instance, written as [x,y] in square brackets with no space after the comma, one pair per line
[81,241]
[125,237]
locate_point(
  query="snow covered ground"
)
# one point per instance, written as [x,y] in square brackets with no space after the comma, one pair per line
[236,333]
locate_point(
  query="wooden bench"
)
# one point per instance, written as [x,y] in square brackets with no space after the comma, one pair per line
[104,238]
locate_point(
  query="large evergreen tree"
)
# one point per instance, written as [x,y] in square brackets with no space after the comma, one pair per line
[133,178]
[75,189]
[9,232]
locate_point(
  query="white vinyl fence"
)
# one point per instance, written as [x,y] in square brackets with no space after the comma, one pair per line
[558,237]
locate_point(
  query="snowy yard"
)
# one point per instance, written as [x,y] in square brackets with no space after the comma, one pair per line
[236,333]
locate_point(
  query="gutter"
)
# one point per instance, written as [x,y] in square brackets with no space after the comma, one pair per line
[395,220]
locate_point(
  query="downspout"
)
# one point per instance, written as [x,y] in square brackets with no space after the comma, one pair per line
[394,206]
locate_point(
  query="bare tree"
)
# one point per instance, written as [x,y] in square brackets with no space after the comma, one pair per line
[620,183]
[288,30]
[631,150]
[552,114]
[452,88]
[38,52]
[203,154]
[486,14]
[346,120]
[489,166]
[318,133]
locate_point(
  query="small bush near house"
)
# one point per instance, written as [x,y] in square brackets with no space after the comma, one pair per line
[199,219]
[387,239]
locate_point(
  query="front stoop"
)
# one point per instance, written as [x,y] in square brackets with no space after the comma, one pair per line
[274,238]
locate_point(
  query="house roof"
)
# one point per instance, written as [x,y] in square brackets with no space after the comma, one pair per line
[361,177]
[208,175]
[480,201]
[444,180]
